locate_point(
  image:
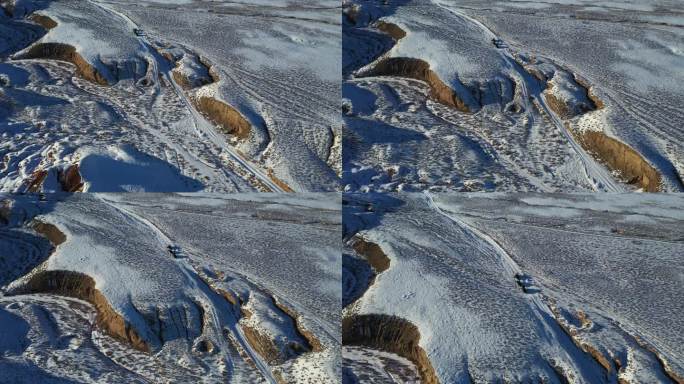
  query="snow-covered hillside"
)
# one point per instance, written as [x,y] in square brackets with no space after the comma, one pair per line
[183,96]
[170,288]
[547,96]
[514,288]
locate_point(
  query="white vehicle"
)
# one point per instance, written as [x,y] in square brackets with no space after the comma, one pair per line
[526,283]
[499,43]
[177,252]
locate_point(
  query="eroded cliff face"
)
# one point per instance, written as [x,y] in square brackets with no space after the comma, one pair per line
[81,286]
[632,167]
[570,97]
[65,52]
[419,70]
[391,334]
[225,116]
[77,285]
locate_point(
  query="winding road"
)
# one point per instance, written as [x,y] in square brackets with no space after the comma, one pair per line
[204,128]
[545,317]
[598,175]
[220,318]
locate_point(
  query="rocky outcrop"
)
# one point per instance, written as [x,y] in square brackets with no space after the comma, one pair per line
[278,182]
[314,345]
[619,156]
[262,344]
[65,52]
[276,351]
[70,179]
[181,80]
[419,70]
[42,20]
[392,334]
[50,232]
[35,182]
[225,116]
[572,100]
[192,71]
[391,29]
[373,254]
[413,68]
[598,103]
[81,286]
[211,70]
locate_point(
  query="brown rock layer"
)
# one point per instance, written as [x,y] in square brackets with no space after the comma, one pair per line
[559,107]
[373,254]
[278,182]
[616,154]
[391,334]
[391,29]
[621,157]
[224,116]
[70,180]
[213,74]
[262,344]
[65,52]
[181,80]
[35,182]
[81,286]
[598,103]
[419,70]
[314,345]
[51,232]
[268,348]
[43,21]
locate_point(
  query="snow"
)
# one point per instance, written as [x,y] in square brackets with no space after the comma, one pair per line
[259,247]
[386,367]
[633,66]
[280,70]
[453,258]
[277,63]
[124,169]
[398,139]
[100,40]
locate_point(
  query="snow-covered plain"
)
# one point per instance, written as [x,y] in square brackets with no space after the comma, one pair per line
[275,63]
[241,288]
[397,138]
[602,302]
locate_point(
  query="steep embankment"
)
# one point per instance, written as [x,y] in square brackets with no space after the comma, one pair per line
[65,52]
[419,70]
[225,116]
[621,157]
[618,156]
[69,179]
[372,252]
[44,21]
[276,349]
[192,72]
[391,334]
[80,286]
[413,68]
[60,51]
[384,332]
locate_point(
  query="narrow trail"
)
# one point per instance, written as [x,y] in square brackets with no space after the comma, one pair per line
[553,333]
[202,127]
[598,175]
[220,318]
